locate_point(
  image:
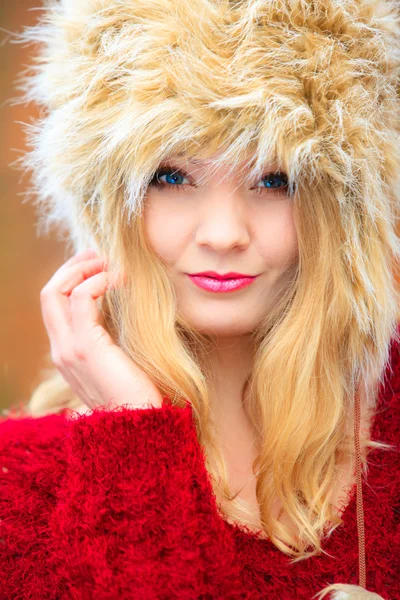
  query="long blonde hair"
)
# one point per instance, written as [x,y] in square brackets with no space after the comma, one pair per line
[113,115]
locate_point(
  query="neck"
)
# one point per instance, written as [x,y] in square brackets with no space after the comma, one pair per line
[231,360]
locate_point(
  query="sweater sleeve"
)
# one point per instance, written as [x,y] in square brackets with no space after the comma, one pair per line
[120,505]
[31,469]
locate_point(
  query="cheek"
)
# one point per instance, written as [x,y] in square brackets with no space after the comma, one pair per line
[166,232]
[277,238]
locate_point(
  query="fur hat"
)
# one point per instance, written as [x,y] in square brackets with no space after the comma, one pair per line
[313,85]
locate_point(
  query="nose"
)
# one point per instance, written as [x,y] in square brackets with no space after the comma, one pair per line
[223,222]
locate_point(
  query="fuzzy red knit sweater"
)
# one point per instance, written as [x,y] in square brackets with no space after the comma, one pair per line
[119,505]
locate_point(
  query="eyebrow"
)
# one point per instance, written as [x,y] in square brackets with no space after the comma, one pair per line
[202,166]
[193,167]
[191,161]
[201,163]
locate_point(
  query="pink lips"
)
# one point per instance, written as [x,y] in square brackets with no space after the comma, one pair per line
[221,285]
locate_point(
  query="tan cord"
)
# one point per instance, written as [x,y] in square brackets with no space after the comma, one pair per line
[360,511]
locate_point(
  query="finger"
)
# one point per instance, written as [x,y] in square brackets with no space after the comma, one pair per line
[85,314]
[66,281]
[56,304]
[90,253]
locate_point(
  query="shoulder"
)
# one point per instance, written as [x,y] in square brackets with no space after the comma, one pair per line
[389,391]
[32,469]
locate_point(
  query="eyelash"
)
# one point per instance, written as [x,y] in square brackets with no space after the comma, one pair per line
[172,171]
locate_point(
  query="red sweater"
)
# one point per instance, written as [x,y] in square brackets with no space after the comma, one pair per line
[118,505]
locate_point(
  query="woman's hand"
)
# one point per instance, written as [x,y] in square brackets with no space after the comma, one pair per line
[96,369]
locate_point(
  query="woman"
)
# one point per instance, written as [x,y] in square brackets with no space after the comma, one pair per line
[258,138]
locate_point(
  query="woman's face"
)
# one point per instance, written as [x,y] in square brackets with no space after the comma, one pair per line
[222,227]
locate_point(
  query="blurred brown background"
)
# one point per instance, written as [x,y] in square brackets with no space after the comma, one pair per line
[26,261]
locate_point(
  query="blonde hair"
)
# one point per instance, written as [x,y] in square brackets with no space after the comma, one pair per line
[112,115]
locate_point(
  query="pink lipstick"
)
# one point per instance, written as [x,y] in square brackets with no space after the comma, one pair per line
[219,284]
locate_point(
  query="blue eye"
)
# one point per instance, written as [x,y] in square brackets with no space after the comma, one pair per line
[276,183]
[275,180]
[174,178]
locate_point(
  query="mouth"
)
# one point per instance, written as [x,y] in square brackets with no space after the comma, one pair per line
[219,285]
[230,275]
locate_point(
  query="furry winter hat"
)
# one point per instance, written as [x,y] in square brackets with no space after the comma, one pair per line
[312,85]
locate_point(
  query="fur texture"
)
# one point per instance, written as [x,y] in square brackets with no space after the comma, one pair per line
[311,84]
